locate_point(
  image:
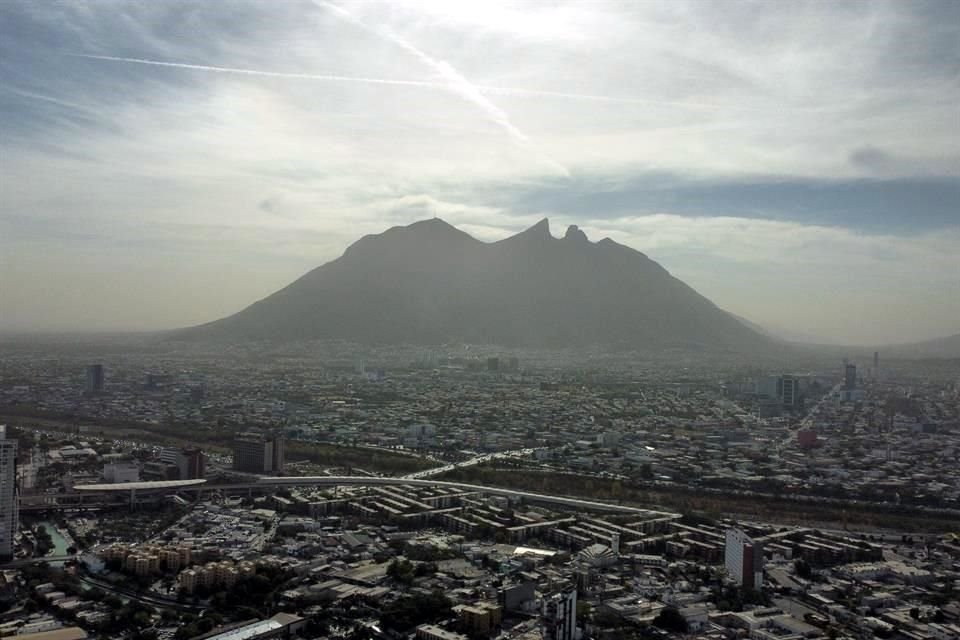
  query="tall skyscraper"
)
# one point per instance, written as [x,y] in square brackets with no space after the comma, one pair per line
[95,378]
[9,509]
[560,615]
[279,452]
[790,390]
[876,365]
[196,464]
[256,452]
[850,377]
[744,559]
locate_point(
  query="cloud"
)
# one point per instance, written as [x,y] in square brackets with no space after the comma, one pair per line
[871,158]
[453,78]
[867,204]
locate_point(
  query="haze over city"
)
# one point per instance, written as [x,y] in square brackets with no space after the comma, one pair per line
[168,164]
[497,320]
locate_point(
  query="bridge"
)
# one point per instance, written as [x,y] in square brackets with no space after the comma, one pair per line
[23,562]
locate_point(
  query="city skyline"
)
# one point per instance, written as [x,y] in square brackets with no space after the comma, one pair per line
[797,166]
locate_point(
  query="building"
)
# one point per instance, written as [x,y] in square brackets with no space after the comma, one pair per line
[559,616]
[807,438]
[433,632]
[517,597]
[785,389]
[768,386]
[160,471]
[191,463]
[876,365]
[744,559]
[63,633]
[188,580]
[95,378]
[196,464]
[790,391]
[480,618]
[255,452]
[850,377]
[281,625]
[116,472]
[9,507]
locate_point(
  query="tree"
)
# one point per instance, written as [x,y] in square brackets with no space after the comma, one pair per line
[141,619]
[401,570]
[670,619]
[96,594]
[412,610]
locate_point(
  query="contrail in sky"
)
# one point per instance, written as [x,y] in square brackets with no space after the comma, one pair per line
[455,80]
[268,74]
[427,84]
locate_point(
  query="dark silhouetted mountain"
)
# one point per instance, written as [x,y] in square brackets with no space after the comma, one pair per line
[431,283]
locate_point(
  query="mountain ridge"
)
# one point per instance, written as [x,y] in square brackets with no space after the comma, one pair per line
[429,282]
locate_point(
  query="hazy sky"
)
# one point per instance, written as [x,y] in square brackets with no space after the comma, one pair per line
[167,163]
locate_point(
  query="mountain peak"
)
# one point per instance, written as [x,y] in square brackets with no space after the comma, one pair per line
[438,224]
[542,228]
[575,234]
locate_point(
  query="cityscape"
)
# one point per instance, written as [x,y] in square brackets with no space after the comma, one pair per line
[479,320]
[342,491]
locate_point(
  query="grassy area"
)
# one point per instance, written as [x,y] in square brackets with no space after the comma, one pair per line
[380,460]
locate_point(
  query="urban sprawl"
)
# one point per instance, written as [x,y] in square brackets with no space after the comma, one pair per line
[334,491]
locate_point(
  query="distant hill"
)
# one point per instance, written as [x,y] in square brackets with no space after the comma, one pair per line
[947,347]
[431,283]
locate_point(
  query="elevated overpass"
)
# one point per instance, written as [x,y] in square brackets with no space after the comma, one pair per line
[88,496]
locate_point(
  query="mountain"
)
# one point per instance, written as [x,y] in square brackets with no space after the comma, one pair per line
[779,334]
[431,283]
[753,326]
[946,347]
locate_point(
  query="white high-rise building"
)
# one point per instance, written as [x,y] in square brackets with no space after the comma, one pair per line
[9,509]
[560,616]
[744,559]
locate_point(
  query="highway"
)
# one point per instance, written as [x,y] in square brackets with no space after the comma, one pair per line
[807,422]
[144,597]
[429,473]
